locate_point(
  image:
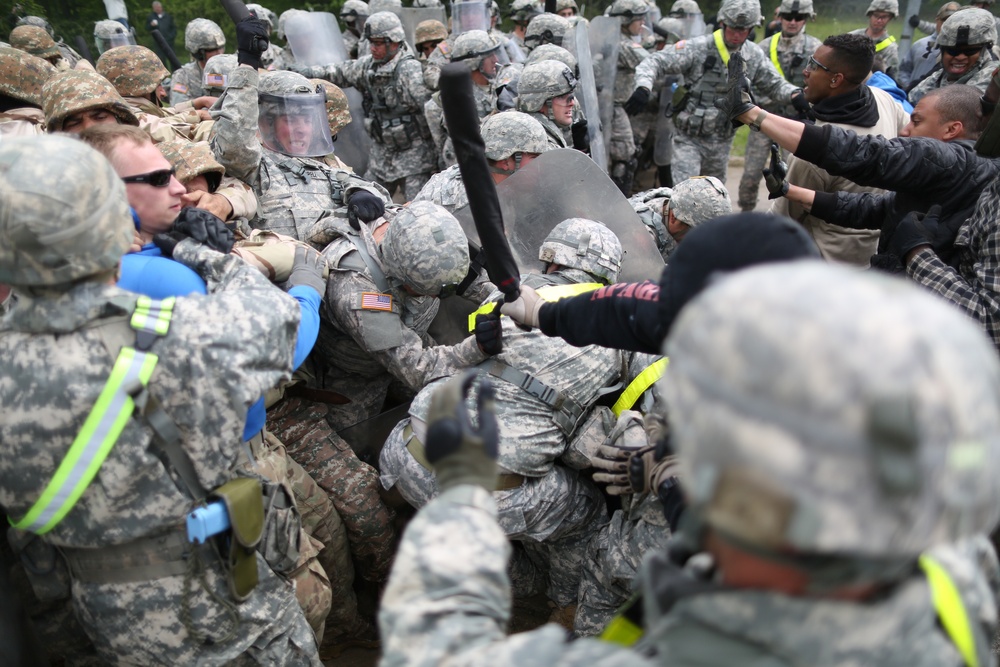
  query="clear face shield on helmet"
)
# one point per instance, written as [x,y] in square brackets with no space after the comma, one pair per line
[492,60]
[111,41]
[467,16]
[295,125]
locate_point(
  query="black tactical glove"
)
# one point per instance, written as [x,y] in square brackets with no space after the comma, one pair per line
[581,138]
[775,176]
[459,452]
[204,228]
[489,332]
[167,242]
[364,206]
[914,21]
[801,104]
[308,269]
[638,101]
[251,41]
[738,99]
[915,230]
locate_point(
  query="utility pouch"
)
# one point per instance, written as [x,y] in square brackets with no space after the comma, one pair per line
[591,435]
[243,498]
[44,565]
[679,99]
[396,133]
[282,529]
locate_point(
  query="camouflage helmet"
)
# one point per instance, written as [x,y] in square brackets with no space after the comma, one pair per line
[872,432]
[109,34]
[429,31]
[353,9]
[191,159]
[512,132]
[376,6]
[522,11]
[578,243]
[216,73]
[472,47]
[968,27]
[384,25]
[290,13]
[682,8]
[425,249]
[262,13]
[946,10]
[76,90]
[628,10]
[797,7]
[38,21]
[203,35]
[546,29]
[284,82]
[542,81]
[567,4]
[551,52]
[134,71]
[674,27]
[427,3]
[699,199]
[338,109]
[34,40]
[890,6]
[22,75]
[65,216]
[741,13]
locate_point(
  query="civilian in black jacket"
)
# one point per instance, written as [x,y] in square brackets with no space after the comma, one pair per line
[160,20]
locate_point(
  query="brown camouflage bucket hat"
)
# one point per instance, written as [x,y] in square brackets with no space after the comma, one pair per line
[134,71]
[192,159]
[33,40]
[22,75]
[74,91]
[337,107]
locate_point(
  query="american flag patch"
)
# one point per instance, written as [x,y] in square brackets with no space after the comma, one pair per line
[215,80]
[180,88]
[376,301]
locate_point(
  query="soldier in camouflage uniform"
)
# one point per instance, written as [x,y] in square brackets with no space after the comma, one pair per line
[545,92]
[480,51]
[965,43]
[622,150]
[512,140]
[21,79]
[567,8]
[391,80]
[545,29]
[202,39]
[426,36]
[76,99]
[71,56]
[846,568]
[788,50]
[34,40]
[123,539]
[704,136]
[880,13]
[108,34]
[546,434]
[521,13]
[670,213]
[353,15]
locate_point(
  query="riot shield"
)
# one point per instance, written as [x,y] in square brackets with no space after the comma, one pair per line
[466,16]
[694,25]
[577,42]
[366,438]
[605,35]
[561,184]
[352,144]
[315,39]
[411,16]
[663,144]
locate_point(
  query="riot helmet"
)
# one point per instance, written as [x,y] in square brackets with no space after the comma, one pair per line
[587,245]
[546,29]
[201,37]
[109,34]
[480,51]
[292,118]
[425,249]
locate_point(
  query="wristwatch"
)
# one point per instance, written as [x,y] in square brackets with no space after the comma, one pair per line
[755,123]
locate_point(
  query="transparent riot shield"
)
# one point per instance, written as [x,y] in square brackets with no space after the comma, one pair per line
[577,42]
[694,25]
[605,35]
[561,184]
[466,16]
[352,144]
[411,16]
[315,39]
[663,144]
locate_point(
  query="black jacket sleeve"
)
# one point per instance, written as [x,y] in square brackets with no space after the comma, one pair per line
[854,210]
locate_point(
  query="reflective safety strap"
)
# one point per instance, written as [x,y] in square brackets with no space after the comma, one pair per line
[549,293]
[640,384]
[625,629]
[885,43]
[102,428]
[566,412]
[950,609]
[774,54]
[720,44]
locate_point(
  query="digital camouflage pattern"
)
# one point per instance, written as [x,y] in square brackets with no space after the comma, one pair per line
[651,207]
[546,29]
[192,159]
[217,71]
[34,40]
[203,35]
[295,195]
[542,81]
[22,76]
[187,83]
[889,55]
[511,132]
[425,249]
[589,246]
[978,76]
[485,101]
[134,71]
[428,31]
[551,52]
[384,25]
[338,110]
[73,91]
[741,13]
[890,6]
[446,189]
[979,28]
[699,199]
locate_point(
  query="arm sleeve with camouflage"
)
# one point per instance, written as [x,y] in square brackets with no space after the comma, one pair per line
[236,145]
[414,92]
[671,60]
[240,196]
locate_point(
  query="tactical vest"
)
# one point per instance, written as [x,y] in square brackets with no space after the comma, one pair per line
[708,81]
[789,62]
[388,120]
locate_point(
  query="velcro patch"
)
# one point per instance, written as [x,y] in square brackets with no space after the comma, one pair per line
[180,88]
[376,301]
[214,80]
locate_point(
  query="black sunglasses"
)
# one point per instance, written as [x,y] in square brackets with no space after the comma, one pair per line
[794,17]
[956,50]
[158,179]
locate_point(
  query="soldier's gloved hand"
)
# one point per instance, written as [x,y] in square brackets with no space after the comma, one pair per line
[167,242]
[489,332]
[915,230]
[205,228]
[309,268]
[776,176]
[738,99]
[914,21]
[365,206]
[581,137]
[525,308]
[801,105]
[251,41]
[637,101]
[460,452]
[626,440]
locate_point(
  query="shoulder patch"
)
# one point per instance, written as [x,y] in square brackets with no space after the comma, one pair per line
[680,45]
[444,48]
[376,301]
[180,88]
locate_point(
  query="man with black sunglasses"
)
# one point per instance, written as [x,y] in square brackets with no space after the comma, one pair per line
[965,43]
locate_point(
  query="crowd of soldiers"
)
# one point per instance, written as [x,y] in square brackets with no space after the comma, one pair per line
[268,394]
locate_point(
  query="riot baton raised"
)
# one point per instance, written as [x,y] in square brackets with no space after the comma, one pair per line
[462,119]
[168,50]
[84,49]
